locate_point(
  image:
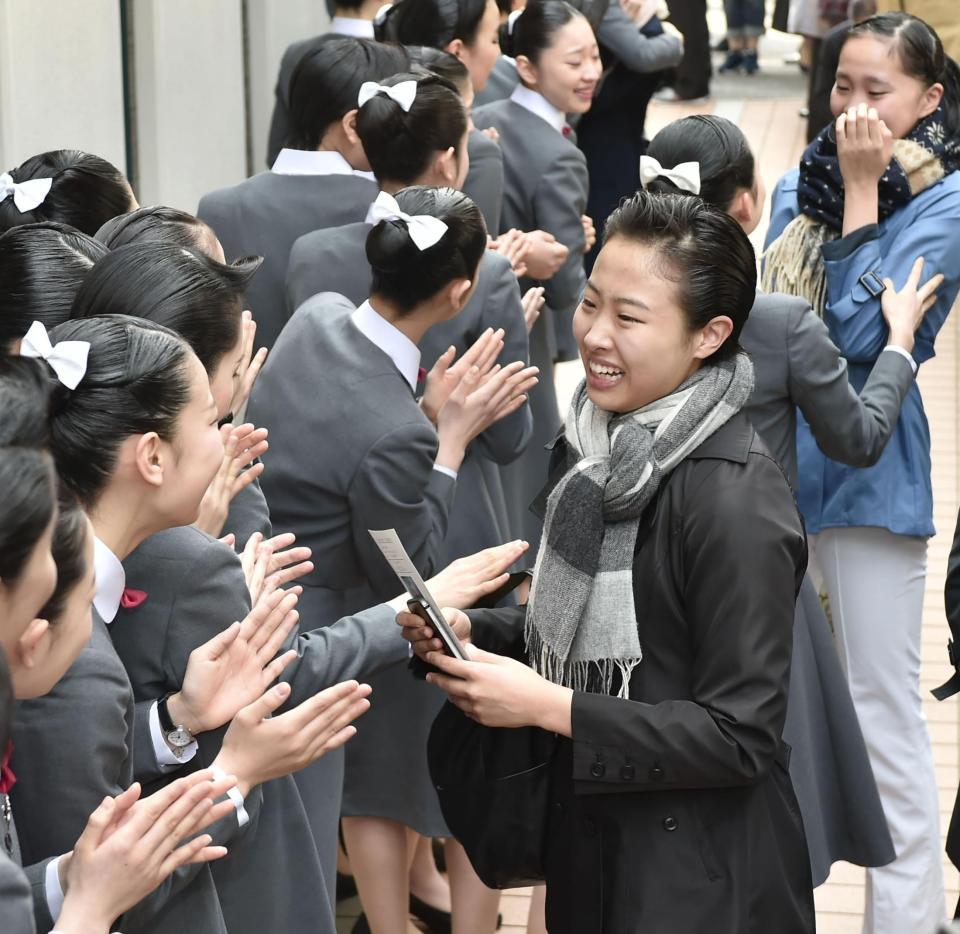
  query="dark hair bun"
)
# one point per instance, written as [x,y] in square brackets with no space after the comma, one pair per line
[389,245]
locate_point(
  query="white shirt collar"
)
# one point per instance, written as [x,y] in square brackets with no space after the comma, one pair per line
[537,104]
[351,26]
[319,162]
[394,343]
[110,581]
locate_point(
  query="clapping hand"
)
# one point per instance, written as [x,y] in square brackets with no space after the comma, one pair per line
[242,445]
[250,365]
[465,581]
[273,562]
[445,375]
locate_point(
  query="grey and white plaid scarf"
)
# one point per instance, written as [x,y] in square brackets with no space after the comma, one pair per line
[581,626]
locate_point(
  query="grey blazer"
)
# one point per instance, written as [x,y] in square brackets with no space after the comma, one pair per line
[264,215]
[16,901]
[333,260]
[797,366]
[620,35]
[350,451]
[503,79]
[74,746]
[484,182]
[248,513]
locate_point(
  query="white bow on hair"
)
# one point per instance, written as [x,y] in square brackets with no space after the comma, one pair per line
[381,14]
[404,93]
[68,359]
[27,195]
[424,229]
[685,176]
[512,20]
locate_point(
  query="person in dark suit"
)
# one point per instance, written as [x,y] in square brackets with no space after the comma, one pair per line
[350,375]
[661,659]
[828,57]
[545,187]
[321,180]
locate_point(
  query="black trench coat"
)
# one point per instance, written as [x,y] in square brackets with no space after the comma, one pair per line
[672,812]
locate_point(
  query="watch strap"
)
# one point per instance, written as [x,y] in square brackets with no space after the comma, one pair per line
[166,724]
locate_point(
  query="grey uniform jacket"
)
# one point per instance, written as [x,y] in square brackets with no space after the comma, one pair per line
[333,260]
[797,366]
[16,907]
[503,79]
[248,513]
[484,182]
[76,745]
[264,215]
[620,35]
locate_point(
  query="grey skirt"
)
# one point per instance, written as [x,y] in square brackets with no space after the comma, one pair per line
[842,814]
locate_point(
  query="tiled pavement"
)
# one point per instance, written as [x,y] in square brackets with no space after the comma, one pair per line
[766,109]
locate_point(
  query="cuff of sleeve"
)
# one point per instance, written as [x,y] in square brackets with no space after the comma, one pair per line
[446,470]
[903,353]
[53,890]
[234,795]
[848,245]
[165,757]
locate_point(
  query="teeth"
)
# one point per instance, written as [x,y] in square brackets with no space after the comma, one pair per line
[604,370]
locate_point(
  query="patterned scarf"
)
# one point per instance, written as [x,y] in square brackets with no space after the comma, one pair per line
[581,627]
[794,263]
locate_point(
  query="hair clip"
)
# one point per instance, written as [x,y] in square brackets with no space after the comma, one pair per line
[380,16]
[424,229]
[512,20]
[27,195]
[685,176]
[404,93]
[68,359]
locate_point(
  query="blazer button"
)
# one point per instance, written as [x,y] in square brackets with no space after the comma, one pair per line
[656,774]
[598,769]
[627,773]
[670,824]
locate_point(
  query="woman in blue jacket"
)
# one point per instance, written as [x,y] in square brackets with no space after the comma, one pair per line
[874,191]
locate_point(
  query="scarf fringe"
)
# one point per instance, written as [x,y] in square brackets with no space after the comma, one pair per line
[793,263]
[597,676]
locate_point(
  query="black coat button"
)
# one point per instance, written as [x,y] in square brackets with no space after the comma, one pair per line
[598,769]
[656,774]
[627,773]
[670,824]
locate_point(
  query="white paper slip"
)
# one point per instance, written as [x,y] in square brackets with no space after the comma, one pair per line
[392,549]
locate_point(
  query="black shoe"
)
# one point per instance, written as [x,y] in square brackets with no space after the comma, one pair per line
[732,62]
[436,919]
[346,886]
[750,64]
[360,926]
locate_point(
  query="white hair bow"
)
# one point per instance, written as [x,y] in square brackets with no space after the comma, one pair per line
[68,359]
[424,229]
[381,14]
[685,176]
[26,195]
[404,93]
[512,20]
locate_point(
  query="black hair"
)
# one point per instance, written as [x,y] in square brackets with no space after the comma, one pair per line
[406,275]
[430,22]
[136,382]
[85,193]
[182,289]
[442,64]
[400,145]
[533,31]
[726,163]
[7,706]
[326,83]
[26,469]
[157,223]
[41,268]
[703,250]
[69,551]
[921,55]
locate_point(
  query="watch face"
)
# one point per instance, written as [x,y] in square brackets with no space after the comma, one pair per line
[179,737]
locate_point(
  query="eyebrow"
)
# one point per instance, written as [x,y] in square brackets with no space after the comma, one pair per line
[575,50]
[870,78]
[621,299]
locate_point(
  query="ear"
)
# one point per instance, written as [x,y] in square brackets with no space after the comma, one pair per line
[348,122]
[710,338]
[931,99]
[527,71]
[445,166]
[459,292]
[454,47]
[741,210]
[148,457]
[32,644]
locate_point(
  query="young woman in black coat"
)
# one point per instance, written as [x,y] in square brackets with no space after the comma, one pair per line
[658,636]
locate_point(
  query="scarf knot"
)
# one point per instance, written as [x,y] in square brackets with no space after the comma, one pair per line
[581,628]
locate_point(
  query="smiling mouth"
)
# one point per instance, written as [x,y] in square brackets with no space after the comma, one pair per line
[603,374]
